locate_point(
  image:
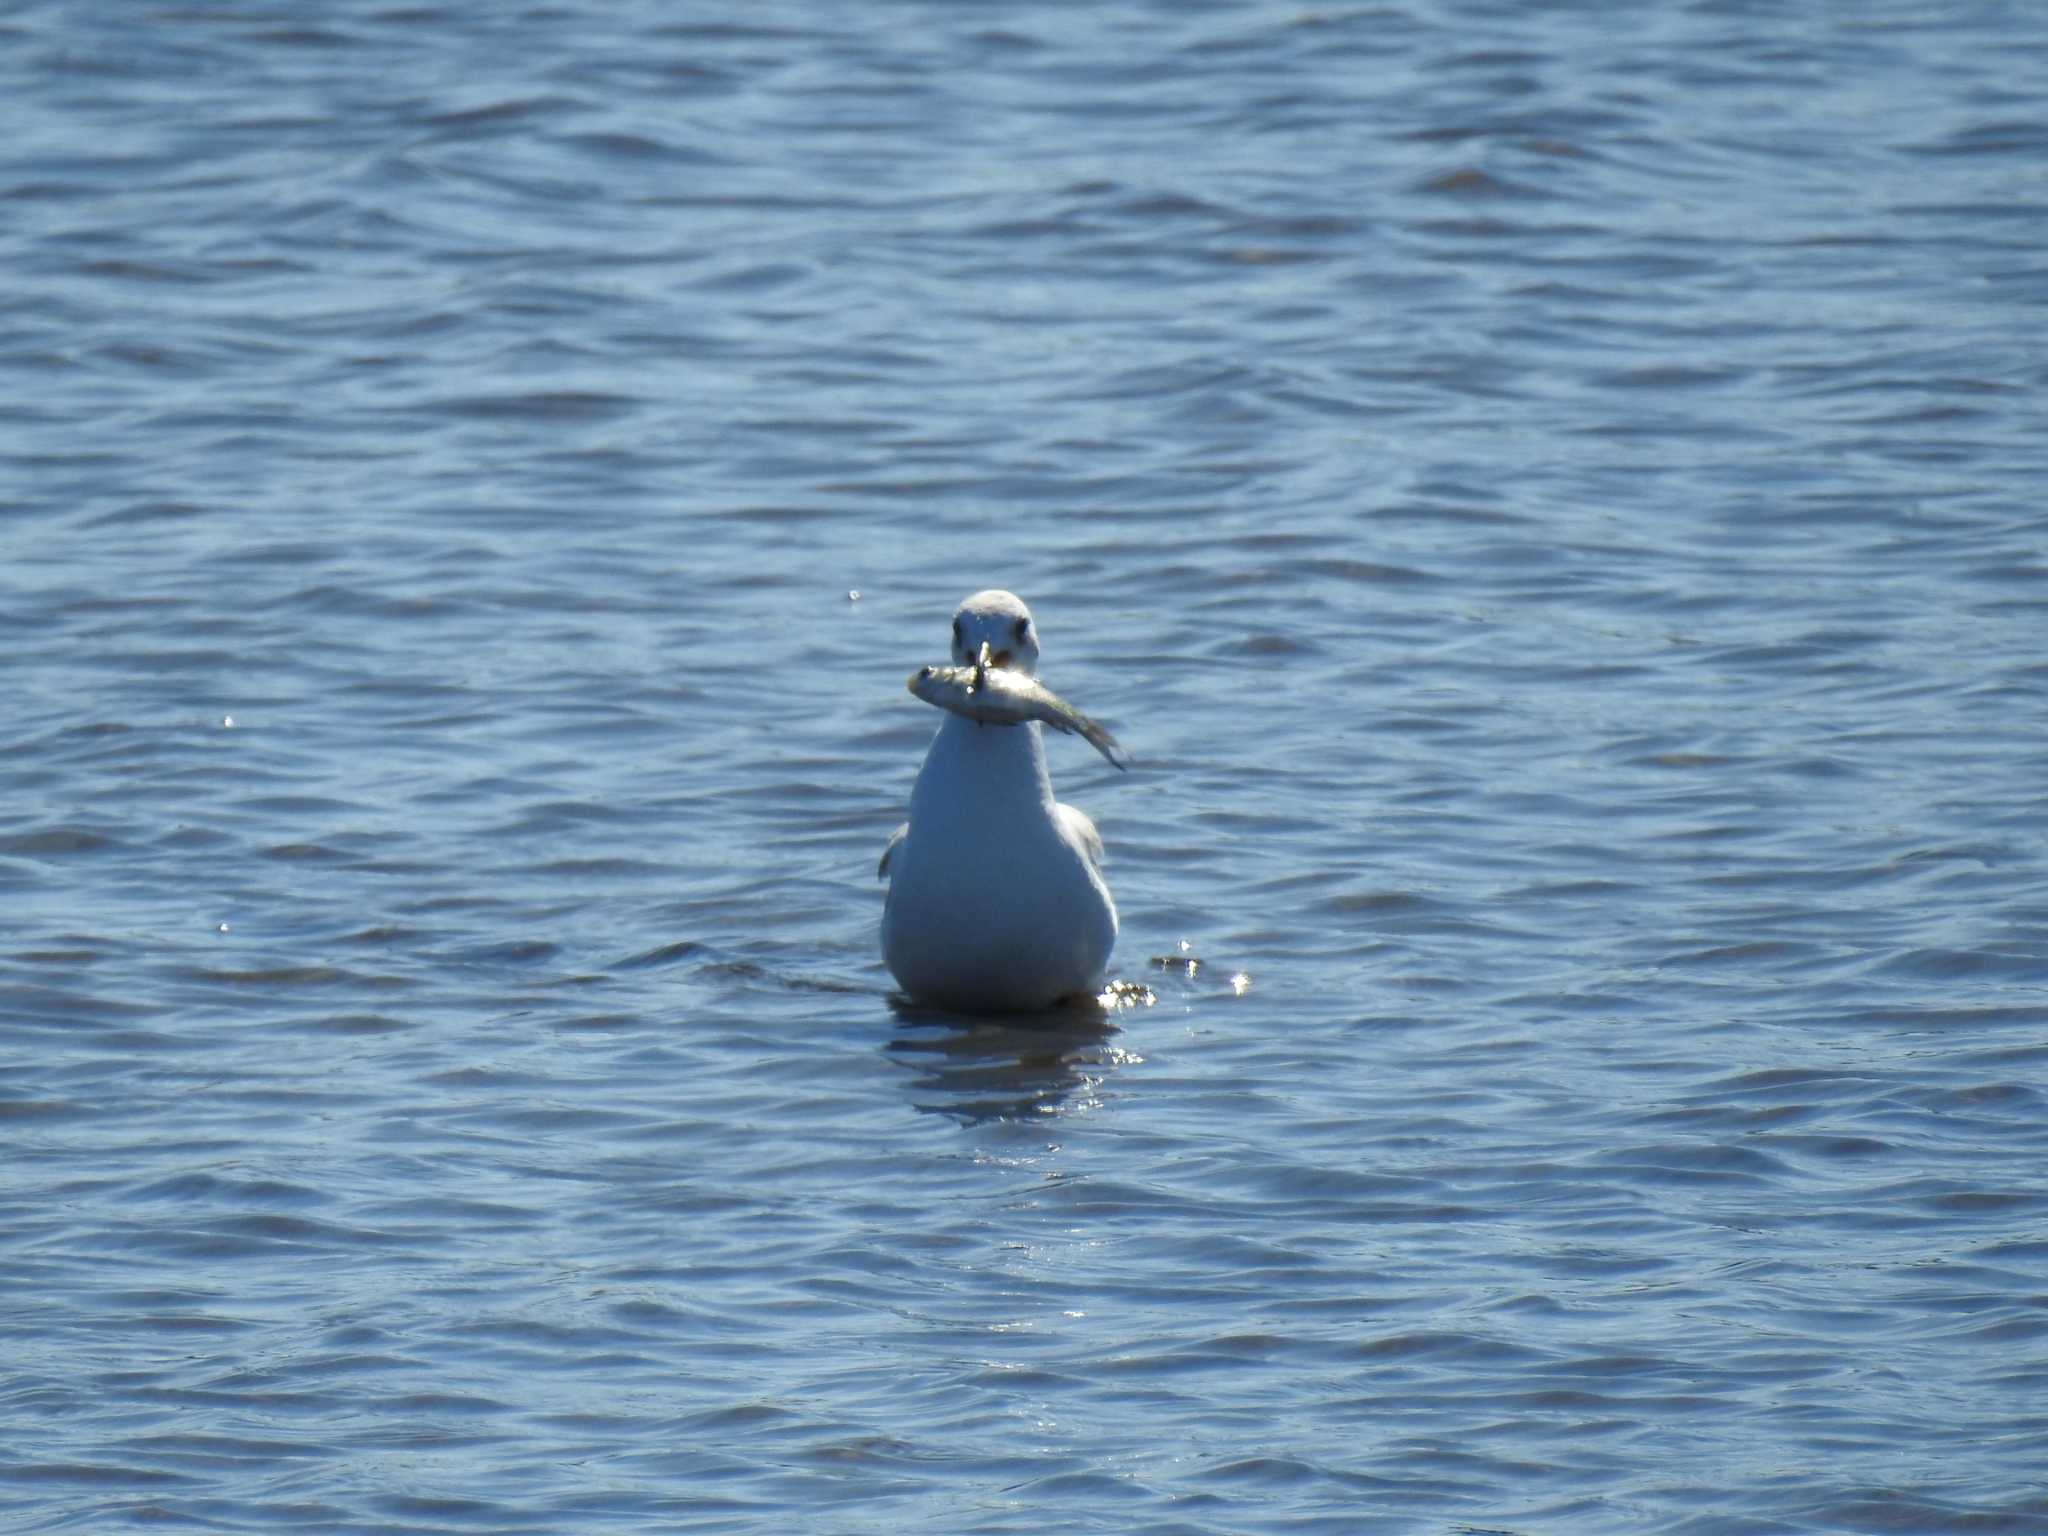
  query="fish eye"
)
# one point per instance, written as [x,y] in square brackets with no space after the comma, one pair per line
[924,672]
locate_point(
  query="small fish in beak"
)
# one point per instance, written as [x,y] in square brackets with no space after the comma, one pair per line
[993,694]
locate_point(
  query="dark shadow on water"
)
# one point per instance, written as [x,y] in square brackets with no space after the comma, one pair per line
[975,1068]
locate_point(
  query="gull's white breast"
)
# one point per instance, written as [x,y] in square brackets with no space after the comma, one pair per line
[996,899]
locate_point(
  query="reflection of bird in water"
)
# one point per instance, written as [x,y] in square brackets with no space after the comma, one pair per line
[984,1070]
[996,897]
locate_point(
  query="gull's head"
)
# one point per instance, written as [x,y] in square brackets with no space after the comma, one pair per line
[1002,622]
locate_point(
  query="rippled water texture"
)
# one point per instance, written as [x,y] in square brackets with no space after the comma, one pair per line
[1551,496]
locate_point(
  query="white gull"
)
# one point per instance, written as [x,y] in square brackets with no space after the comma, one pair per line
[996,898]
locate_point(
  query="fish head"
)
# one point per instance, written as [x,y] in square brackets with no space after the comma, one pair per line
[925,684]
[1000,622]
[947,687]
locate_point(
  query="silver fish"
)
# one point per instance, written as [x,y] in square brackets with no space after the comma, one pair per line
[1001,696]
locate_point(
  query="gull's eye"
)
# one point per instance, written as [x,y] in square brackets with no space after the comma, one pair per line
[959,635]
[1023,630]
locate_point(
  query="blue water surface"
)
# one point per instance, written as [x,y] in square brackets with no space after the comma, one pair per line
[1551,498]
